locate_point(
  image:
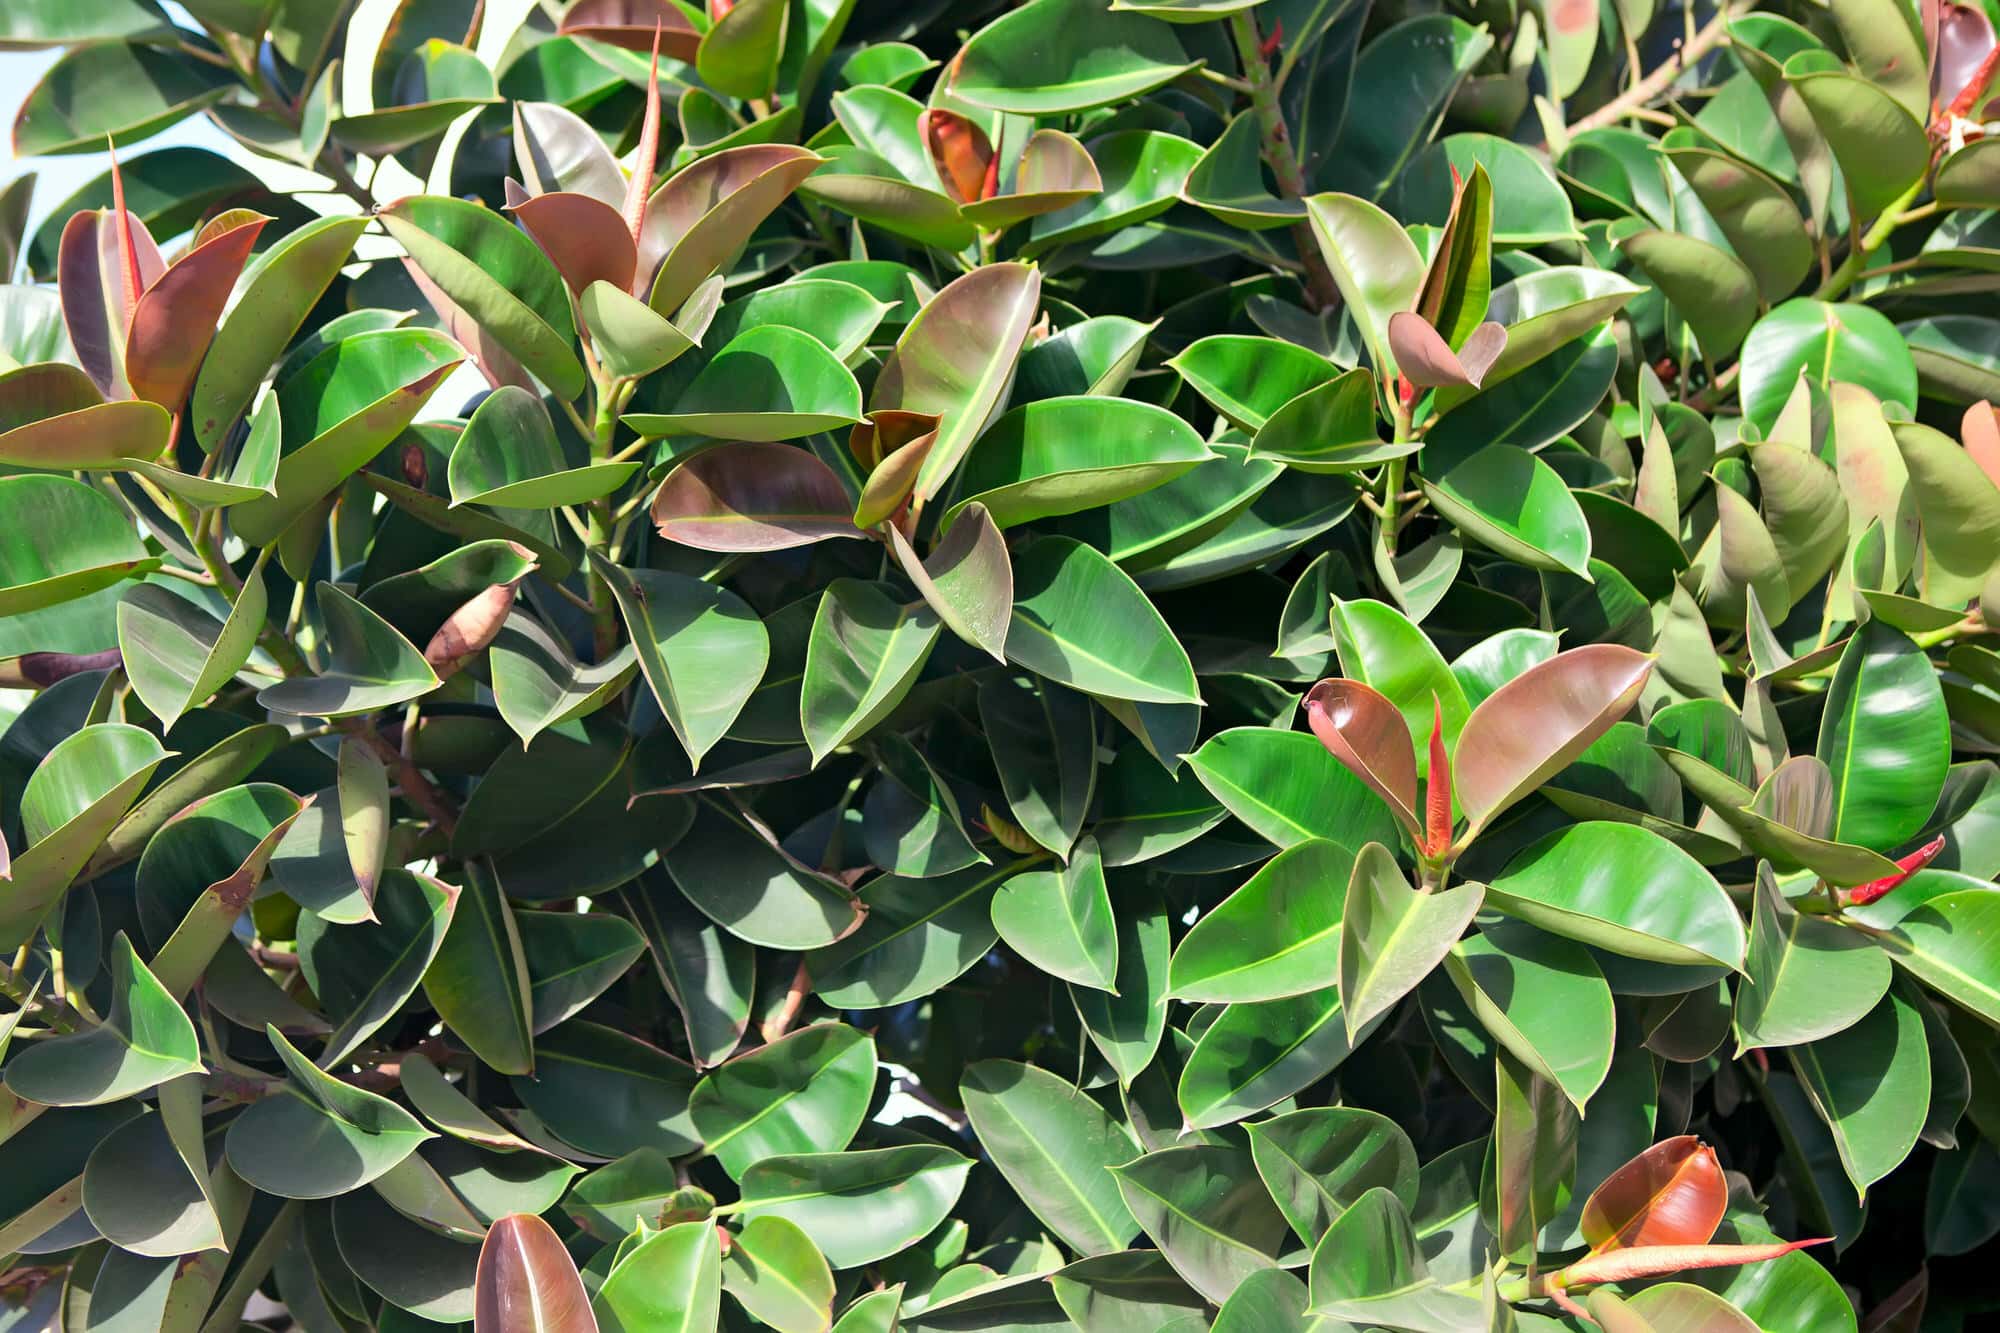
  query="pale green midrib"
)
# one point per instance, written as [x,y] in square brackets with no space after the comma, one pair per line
[1237,1085]
[1286,952]
[1820,1090]
[518,1016]
[1404,921]
[879,677]
[928,917]
[1103,1226]
[1168,1205]
[402,956]
[1847,749]
[789,1096]
[1247,798]
[1028,622]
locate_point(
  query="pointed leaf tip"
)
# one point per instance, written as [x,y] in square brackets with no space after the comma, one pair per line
[1437,787]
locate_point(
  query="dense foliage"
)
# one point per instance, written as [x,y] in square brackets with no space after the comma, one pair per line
[1257,665]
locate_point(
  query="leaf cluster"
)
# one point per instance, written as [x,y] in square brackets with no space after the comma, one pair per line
[1105,664]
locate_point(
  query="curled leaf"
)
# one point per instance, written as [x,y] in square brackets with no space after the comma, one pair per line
[1362,728]
[1671,1194]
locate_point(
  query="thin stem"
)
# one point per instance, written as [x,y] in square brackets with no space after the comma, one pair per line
[1278,152]
[1870,241]
[1690,52]
[597,531]
[788,1012]
[1393,474]
[176,572]
[419,790]
[579,603]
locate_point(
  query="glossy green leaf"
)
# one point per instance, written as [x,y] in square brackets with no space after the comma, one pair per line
[1623,889]
[499,277]
[769,383]
[1065,627]
[701,649]
[1206,1209]
[1060,455]
[858,1206]
[1871,1084]
[1832,342]
[1257,1054]
[1319,1162]
[607,1093]
[1373,261]
[1286,787]
[127,92]
[73,801]
[338,412]
[73,543]
[319,1137]
[364,972]
[144,1041]
[478,980]
[1712,289]
[730,868]
[1542,999]
[1515,504]
[671,1280]
[1099,55]
[804,1093]
[1393,935]
[1277,935]
[1369,1267]
[917,935]
[370,666]
[1248,379]
[864,655]
[1061,920]
[1056,1147]
[774,1271]
[1883,736]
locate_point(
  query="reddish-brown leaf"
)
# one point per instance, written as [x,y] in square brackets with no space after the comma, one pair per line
[752,497]
[647,159]
[893,446]
[1428,362]
[1980,430]
[1960,40]
[1366,732]
[704,212]
[1053,163]
[128,251]
[527,1283]
[1532,727]
[176,317]
[631,24]
[94,305]
[1671,1194]
[960,151]
[471,629]
[583,237]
